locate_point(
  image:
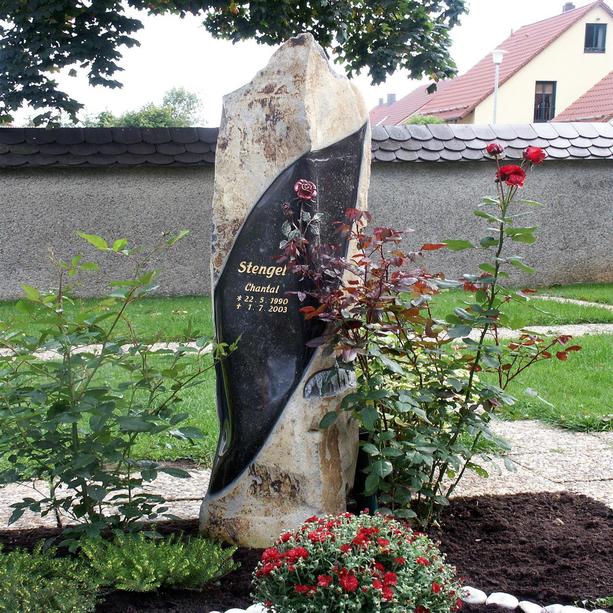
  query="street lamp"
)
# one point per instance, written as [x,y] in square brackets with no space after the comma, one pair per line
[497,56]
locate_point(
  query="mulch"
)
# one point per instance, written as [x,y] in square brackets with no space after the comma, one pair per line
[547,548]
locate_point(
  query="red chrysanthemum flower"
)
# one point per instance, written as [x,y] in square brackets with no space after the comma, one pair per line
[324,580]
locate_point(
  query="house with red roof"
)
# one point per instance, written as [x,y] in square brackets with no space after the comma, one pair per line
[558,69]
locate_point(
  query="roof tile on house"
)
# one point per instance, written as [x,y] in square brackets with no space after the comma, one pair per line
[107,146]
[402,109]
[468,90]
[595,105]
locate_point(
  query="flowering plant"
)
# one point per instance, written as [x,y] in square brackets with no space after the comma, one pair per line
[428,382]
[355,563]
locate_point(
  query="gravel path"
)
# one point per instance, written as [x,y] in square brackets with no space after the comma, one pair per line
[547,459]
[586,303]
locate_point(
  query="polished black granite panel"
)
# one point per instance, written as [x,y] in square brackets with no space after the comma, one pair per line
[251,302]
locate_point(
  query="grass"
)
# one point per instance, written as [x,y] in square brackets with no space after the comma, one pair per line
[529,313]
[167,319]
[575,394]
[590,292]
[186,318]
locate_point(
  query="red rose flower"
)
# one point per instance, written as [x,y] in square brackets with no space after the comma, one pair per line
[423,561]
[511,174]
[494,149]
[305,190]
[437,588]
[324,580]
[534,155]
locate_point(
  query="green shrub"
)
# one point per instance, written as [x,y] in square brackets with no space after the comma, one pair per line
[139,564]
[423,120]
[40,582]
[67,422]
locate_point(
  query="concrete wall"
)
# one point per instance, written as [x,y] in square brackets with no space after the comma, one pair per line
[42,209]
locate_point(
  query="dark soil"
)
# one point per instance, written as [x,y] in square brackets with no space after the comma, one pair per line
[548,548]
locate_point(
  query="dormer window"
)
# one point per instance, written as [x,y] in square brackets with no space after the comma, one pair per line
[595,37]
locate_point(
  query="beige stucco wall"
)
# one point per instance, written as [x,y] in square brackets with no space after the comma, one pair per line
[563,61]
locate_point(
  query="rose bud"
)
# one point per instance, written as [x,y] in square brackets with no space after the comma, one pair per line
[494,149]
[534,155]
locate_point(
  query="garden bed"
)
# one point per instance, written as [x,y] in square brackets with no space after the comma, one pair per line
[548,548]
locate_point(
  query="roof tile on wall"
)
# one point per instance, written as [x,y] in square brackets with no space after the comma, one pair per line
[107,146]
[21,147]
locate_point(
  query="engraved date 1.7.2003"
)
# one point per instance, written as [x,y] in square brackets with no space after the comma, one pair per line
[261,304]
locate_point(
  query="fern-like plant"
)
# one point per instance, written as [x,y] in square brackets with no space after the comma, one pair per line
[135,563]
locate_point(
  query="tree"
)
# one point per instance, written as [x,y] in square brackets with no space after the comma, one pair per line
[180,108]
[41,37]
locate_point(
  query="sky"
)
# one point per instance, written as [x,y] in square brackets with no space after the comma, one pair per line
[177,52]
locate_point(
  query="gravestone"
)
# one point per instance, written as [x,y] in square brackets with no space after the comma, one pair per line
[274,467]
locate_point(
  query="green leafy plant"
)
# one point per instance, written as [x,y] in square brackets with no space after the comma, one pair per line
[36,42]
[70,427]
[136,563]
[422,400]
[41,582]
[355,563]
[423,120]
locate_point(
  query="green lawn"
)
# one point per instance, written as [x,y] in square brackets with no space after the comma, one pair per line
[529,313]
[166,319]
[577,392]
[188,317]
[590,292]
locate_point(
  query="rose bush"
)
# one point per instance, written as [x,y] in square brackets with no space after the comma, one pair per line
[355,563]
[428,382]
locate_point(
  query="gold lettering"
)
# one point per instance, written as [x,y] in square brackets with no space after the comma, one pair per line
[269,272]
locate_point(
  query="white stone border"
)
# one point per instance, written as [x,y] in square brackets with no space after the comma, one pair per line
[471,595]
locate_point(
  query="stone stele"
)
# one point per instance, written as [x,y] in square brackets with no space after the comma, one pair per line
[291,120]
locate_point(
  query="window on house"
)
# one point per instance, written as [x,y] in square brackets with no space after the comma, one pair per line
[544,101]
[595,37]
